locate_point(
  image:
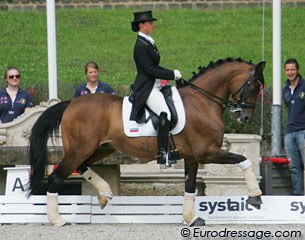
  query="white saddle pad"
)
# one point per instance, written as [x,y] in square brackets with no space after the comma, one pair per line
[134,129]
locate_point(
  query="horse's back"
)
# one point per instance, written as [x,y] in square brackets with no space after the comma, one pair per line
[93,112]
[94,103]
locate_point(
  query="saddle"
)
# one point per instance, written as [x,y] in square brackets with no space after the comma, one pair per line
[167,93]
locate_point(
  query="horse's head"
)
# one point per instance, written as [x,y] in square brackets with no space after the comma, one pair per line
[237,77]
[246,91]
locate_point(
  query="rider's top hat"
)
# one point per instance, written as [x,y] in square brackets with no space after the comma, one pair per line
[143,17]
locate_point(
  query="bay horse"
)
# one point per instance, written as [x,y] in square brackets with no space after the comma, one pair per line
[95,120]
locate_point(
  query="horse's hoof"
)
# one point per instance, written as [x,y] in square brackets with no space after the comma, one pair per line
[103,198]
[197,222]
[61,224]
[255,201]
[66,224]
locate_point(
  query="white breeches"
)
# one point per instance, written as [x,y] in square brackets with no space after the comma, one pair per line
[156,101]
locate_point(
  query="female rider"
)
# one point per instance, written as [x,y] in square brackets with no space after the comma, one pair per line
[147,83]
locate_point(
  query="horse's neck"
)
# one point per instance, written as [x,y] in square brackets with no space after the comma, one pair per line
[211,83]
[216,82]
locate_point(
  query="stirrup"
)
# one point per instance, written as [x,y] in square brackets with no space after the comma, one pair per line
[164,158]
[174,154]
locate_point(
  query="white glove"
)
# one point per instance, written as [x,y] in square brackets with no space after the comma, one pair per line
[177,74]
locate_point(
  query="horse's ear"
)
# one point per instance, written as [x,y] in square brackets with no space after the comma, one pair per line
[259,68]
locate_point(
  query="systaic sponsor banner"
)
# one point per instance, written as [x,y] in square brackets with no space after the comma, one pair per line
[235,209]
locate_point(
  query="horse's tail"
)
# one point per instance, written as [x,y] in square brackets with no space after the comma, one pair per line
[47,124]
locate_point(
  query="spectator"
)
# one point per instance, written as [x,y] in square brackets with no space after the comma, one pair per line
[93,85]
[13,100]
[294,98]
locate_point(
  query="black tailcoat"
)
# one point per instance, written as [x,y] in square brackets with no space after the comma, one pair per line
[147,59]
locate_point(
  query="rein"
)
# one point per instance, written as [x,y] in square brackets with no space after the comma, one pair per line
[240,105]
[220,101]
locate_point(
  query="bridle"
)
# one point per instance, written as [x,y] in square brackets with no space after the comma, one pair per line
[242,100]
[238,106]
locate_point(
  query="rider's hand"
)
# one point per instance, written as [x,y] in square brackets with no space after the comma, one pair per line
[164,83]
[177,74]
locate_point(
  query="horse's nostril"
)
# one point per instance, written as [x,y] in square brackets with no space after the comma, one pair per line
[246,119]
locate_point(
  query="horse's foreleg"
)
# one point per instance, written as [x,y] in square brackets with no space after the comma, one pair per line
[189,214]
[254,190]
[245,164]
[102,187]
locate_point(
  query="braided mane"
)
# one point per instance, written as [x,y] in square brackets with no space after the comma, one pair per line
[202,70]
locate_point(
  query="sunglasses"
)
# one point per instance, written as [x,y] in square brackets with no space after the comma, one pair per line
[14,76]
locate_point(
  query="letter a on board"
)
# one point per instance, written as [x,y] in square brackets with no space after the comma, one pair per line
[18,184]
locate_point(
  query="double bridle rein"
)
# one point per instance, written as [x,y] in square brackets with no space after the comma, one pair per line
[241,103]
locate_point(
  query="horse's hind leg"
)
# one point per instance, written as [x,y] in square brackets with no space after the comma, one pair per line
[63,171]
[102,187]
[52,210]
[55,182]
[190,169]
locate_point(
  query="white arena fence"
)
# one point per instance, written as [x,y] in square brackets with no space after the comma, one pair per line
[155,209]
[86,209]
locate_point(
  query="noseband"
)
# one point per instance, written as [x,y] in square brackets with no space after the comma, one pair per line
[241,103]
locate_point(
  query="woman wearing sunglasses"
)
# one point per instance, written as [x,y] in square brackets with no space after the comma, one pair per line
[13,100]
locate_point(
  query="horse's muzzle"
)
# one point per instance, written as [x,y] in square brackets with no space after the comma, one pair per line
[242,117]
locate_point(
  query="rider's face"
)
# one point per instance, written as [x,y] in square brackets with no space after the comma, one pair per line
[147,27]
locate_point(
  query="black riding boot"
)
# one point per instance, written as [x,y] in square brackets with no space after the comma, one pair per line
[162,137]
